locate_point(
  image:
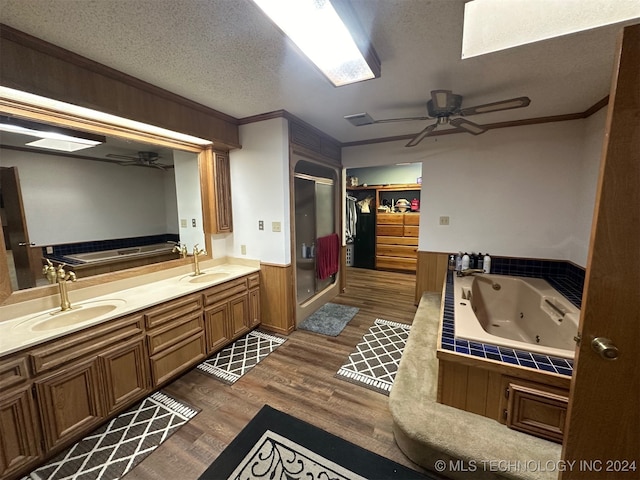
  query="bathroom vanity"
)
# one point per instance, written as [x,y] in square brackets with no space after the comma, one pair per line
[62,375]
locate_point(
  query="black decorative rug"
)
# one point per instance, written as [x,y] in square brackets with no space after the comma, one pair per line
[330,319]
[233,361]
[375,362]
[114,449]
[275,445]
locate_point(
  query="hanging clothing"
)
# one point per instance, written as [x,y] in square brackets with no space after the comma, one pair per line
[351,219]
[327,255]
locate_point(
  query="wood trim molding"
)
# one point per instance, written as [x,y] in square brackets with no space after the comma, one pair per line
[35,66]
[492,126]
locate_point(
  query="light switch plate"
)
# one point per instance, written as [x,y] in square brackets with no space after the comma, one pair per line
[275,227]
[183,223]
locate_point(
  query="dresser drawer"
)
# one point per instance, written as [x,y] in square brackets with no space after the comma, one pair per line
[389,230]
[412,219]
[396,250]
[389,219]
[173,332]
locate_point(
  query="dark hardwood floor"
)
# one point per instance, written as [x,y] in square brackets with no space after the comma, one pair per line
[298,378]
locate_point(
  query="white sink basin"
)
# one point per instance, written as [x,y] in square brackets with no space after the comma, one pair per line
[79,313]
[205,277]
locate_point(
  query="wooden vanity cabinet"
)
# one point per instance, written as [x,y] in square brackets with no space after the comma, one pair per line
[82,378]
[20,442]
[175,337]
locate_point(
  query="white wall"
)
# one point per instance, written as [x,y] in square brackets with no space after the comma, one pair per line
[189,208]
[70,200]
[518,191]
[260,191]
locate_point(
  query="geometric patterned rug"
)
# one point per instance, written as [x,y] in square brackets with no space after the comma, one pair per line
[233,361]
[112,450]
[374,363]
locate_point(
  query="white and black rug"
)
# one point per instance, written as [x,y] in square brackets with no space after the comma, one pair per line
[114,449]
[375,361]
[275,445]
[233,361]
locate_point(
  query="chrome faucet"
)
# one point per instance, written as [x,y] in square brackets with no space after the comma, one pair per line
[180,248]
[196,264]
[59,276]
[469,271]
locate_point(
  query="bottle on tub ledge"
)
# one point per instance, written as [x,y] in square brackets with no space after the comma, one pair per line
[465,262]
[486,264]
[480,262]
[459,261]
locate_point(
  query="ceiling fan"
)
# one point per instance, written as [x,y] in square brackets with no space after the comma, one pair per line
[443,105]
[144,159]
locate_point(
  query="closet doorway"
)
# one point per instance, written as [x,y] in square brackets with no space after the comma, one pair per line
[315,217]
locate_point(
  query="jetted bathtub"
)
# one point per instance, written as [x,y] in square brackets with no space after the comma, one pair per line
[516,312]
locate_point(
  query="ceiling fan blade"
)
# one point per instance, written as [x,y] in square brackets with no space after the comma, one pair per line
[420,136]
[518,102]
[122,157]
[465,124]
[360,119]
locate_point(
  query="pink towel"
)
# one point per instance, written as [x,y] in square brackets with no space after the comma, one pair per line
[327,255]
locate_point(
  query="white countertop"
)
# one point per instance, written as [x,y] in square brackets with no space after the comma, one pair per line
[19,325]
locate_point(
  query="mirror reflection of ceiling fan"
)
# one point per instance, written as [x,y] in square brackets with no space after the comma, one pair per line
[144,159]
[444,105]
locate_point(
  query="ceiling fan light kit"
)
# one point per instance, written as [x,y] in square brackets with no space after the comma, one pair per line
[443,105]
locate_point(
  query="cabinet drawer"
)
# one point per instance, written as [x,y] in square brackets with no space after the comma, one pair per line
[85,343]
[169,311]
[253,281]
[177,358]
[225,290]
[411,231]
[389,219]
[396,263]
[390,230]
[13,371]
[412,219]
[174,331]
[413,241]
[397,250]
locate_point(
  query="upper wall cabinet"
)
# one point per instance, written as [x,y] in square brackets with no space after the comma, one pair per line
[217,174]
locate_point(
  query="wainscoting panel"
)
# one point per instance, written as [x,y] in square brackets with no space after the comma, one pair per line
[430,272]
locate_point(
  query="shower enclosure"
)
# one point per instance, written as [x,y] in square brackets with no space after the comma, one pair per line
[315,204]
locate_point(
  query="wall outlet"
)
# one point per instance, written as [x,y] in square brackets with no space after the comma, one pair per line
[276,227]
[260,225]
[183,223]
[444,220]
[193,222]
[243,249]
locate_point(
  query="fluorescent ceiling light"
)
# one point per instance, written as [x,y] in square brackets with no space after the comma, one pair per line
[321,34]
[54,138]
[494,25]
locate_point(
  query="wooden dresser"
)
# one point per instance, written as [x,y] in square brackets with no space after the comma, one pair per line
[397,241]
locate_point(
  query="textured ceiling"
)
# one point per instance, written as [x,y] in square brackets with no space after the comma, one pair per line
[225,54]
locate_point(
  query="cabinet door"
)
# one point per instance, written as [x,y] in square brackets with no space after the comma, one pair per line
[239,315]
[222,172]
[254,307]
[20,435]
[70,402]
[126,374]
[217,327]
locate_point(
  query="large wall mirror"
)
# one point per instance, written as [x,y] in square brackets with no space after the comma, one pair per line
[121,203]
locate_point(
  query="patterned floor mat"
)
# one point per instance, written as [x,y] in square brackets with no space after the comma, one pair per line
[233,361]
[374,363]
[115,448]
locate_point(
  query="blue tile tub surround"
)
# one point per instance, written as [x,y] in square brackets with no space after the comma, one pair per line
[60,251]
[565,277]
[493,352]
